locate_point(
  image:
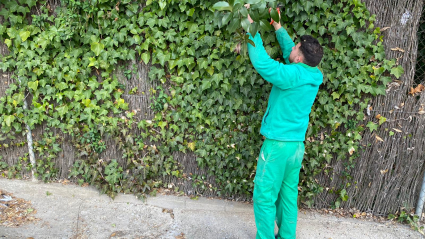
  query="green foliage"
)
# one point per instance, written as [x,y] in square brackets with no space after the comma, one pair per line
[159,103]
[408,218]
[93,142]
[17,170]
[210,101]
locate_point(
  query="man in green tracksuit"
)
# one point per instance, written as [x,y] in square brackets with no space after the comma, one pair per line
[295,86]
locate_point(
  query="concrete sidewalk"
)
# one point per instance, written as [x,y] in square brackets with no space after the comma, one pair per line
[71,211]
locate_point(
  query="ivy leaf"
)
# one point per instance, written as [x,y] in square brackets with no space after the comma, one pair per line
[322,30]
[162,124]
[86,102]
[190,12]
[335,95]
[18,98]
[222,6]
[62,110]
[69,94]
[372,126]
[93,62]
[8,42]
[162,4]
[42,42]
[206,84]
[30,3]
[397,71]
[210,70]
[93,84]
[97,47]
[33,85]
[382,120]
[24,35]
[146,57]
[8,119]
[191,146]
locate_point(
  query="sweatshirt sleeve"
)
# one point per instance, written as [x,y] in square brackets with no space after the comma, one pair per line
[285,43]
[279,74]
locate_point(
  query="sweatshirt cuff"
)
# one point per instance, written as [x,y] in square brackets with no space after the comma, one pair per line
[280,30]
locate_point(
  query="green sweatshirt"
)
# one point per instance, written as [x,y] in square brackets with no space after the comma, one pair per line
[295,86]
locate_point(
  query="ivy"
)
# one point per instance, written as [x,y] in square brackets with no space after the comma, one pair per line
[209,100]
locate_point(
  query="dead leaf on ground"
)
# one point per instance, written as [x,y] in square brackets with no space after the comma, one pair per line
[416,90]
[379,138]
[378,116]
[397,130]
[64,181]
[170,211]
[15,212]
[181,236]
[385,28]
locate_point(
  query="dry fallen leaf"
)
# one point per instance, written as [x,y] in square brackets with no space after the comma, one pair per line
[397,130]
[421,112]
[384,171]
[379,138]
[385,28]
[351,151]
[181,236]
[418,89]
[378,116]
[397,49]
[17,212]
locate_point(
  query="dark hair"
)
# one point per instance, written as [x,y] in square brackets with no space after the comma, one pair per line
[311,50]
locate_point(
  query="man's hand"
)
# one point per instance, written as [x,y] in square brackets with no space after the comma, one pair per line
[249,17]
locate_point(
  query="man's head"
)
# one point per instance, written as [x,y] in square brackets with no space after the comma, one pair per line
[308,51]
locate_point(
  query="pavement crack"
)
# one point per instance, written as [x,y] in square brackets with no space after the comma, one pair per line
[78,216]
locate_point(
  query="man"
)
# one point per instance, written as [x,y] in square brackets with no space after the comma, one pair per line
[295,86]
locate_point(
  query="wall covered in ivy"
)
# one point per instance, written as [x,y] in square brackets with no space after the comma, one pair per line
[130,96]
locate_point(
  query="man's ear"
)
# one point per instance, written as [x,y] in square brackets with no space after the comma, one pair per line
[301,58]
[298,59]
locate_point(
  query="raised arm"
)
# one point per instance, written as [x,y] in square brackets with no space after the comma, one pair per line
[280,75]
[285,43]
[284,40]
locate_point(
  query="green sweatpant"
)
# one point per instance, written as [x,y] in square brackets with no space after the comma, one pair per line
[276,188]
